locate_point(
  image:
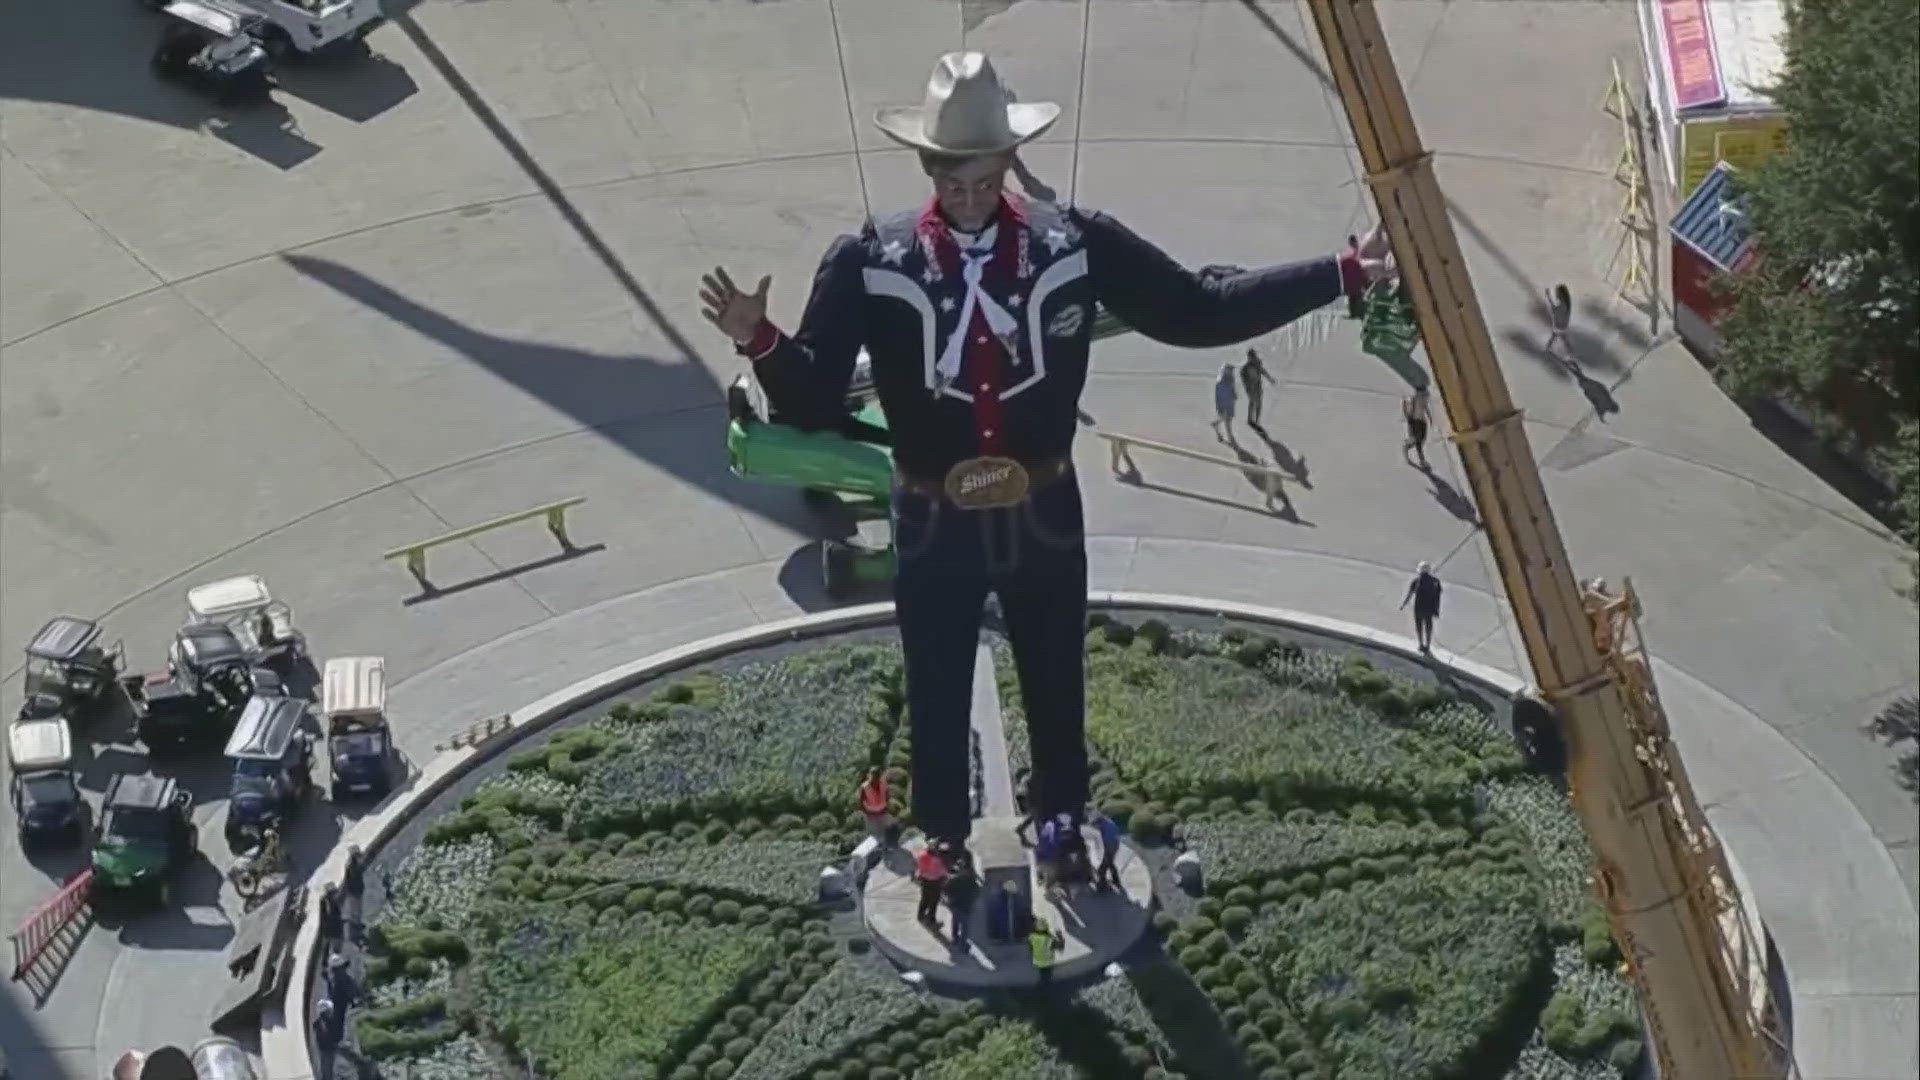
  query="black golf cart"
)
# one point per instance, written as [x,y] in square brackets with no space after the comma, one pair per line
[272,754]
[42,787]
[66,661]
[216,45]
[207,683]
[146,831]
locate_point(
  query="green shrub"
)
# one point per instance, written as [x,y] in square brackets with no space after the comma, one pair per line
[1236,919]
[1596,939]
[1625,1056]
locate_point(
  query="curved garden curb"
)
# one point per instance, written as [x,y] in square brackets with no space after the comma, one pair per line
[286,1047]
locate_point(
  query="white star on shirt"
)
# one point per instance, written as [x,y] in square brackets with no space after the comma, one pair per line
[1014,300]
[1057,241]
[946,303]
[893,252]
[929,276]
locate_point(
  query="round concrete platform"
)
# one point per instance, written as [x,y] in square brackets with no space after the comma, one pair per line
[1095,926]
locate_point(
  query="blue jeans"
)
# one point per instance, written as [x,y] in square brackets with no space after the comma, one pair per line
[1034,558]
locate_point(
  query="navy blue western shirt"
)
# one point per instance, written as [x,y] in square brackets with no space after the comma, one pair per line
[889,289]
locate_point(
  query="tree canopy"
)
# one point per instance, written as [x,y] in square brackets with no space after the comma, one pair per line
[1827,320]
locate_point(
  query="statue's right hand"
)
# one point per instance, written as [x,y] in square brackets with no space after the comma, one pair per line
[737,314]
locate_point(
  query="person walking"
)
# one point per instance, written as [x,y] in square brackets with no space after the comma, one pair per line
[1253,374]
[1224,399]
[353,883]
[328,1028]
[331,920]
[1107,873]
[1425,594]
[1023,802]
[1559,318]
[874,797]
[1417,410]
[931,871]
[1043,942]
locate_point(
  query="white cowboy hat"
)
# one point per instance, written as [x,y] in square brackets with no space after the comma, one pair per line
[968,111]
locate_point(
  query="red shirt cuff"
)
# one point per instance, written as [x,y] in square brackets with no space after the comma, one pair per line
[765,337]
[1353,280]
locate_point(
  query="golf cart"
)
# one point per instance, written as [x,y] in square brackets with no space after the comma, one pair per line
[215,44]
[205,686]
[353,695]
[46,798]
[299,28]
[66,660]
[146,831]
[848,467]
[272,755]
[263,625]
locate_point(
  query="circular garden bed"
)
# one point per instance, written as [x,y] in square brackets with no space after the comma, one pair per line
[1392,890]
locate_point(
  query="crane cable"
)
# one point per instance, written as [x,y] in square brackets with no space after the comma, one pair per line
[853,127]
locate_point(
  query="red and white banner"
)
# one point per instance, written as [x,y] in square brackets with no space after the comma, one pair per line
[1688,37]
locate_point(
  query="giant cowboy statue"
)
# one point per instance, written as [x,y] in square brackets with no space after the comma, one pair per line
[975,312]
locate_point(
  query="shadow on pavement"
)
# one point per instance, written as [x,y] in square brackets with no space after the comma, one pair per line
[1450,498]
[613,395]
[802,578]
[93,54]
[1289,516]
[1285,460]
[503,574]
[357,89]
[1580,347]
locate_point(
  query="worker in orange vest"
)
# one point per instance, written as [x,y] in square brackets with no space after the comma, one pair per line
[874,798]
[931,870]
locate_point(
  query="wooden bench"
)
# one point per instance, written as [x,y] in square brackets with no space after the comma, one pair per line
[554,512]
[1122,461]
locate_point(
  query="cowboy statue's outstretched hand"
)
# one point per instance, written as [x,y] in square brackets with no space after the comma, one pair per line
[1375,253]
[737,314]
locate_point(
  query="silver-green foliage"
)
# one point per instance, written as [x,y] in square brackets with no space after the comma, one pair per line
[439,881]
[459,1058]
[1559,844]
[781,871]
[1404,976]
[855,1000]
[1237,852]
[1120,1003]
[798,729]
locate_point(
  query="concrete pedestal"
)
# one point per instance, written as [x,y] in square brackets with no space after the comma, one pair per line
[1097,927]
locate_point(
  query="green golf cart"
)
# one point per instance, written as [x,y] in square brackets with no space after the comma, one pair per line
[146,832]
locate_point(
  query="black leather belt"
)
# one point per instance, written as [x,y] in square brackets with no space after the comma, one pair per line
[1039,475]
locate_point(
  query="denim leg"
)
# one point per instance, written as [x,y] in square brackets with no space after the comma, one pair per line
[1045,604]
[939,591]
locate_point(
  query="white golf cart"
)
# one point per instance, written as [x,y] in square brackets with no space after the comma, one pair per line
[353,695]
[302,28]
[45,795]
[215,44]
[263,625]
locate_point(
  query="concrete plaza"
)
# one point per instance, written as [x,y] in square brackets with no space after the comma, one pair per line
[458,281]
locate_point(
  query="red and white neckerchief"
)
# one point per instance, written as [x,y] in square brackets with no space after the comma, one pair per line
[1001,245]
[986,332]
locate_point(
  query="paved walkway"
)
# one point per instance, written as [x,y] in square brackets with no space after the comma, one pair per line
[458,281]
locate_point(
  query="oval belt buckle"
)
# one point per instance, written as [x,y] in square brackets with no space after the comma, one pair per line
[986,483]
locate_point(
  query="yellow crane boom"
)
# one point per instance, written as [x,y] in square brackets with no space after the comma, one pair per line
[1672,900]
